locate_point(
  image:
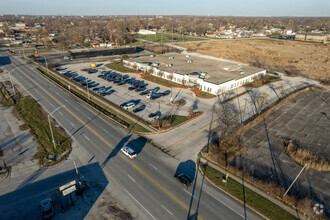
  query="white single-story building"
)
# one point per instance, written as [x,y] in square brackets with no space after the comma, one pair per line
[146,32]
[211,75]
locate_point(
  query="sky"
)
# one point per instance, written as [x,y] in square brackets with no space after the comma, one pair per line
[301,8]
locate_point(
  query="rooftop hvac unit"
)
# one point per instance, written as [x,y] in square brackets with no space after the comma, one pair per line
[241,72]
[169,65]
[226,68]
[152,55]
[187,55]
[171,58]
[189,61]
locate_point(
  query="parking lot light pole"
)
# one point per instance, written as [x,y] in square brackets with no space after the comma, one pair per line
[50,126]
[46,64]
[87,89]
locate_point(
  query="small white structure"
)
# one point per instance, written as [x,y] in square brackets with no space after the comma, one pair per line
[146,32]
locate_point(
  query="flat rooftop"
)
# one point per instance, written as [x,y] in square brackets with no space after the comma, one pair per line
[218,71]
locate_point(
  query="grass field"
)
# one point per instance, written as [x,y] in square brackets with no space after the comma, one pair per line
[36,119]
[262,205]
[119,67]
[160,81]
[292,57]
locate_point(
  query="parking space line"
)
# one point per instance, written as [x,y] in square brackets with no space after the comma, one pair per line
[166,209]
[87,138]
[71,124]
[131,178]
[60,113]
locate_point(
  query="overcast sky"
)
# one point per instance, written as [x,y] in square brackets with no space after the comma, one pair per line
[168,7]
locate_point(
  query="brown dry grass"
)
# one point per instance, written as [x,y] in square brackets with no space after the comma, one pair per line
[303,157]
[291,57]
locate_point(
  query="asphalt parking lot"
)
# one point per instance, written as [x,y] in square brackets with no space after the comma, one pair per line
[122,94]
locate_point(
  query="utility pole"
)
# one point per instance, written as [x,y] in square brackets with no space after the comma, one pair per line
[46,65]
[295,179]
[11,81]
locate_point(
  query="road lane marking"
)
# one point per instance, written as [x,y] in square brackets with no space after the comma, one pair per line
[60,113]
[153,166]
[131,178]
[71,124]
[87,138]
[162,188]
[140,204]
[224,204]
[187,192]
[166,209]
[107,143]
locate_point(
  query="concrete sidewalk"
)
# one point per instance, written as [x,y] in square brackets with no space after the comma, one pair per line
[254,189]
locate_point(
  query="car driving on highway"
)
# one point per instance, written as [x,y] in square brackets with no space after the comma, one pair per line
[128,152]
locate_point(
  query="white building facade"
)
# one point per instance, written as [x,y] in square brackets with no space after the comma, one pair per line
[194,80]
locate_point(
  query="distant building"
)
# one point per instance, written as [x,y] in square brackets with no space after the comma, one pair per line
[102,52]
[146,32]
[317,37]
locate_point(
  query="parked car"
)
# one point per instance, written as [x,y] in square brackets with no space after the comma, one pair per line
[140,108]
[129,152]
[47,208]
[167,92]
[129,105]
[155,96]
[131,88]
[183,178]
[154,116]
[139,89]
[145,92]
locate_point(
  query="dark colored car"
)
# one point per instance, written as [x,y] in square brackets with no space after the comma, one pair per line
[155,96]
[107,93]
[167,92]
[139,89]
[132,88]
[145,92]
[140,108]
[183,178]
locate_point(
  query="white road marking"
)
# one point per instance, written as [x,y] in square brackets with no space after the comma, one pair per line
[166,209]
[71,123]
[153,166]
[51,104]
[131,178]
[140,204]
[224,204]
[60,113]
[87,138]
[187,192]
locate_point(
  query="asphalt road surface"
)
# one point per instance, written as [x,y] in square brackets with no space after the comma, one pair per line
[147,179]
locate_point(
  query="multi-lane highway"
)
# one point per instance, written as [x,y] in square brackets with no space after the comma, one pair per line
[148,179]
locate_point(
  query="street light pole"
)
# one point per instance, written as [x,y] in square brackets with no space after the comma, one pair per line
[12,85]
[46,65]
[87,89]
[50,126]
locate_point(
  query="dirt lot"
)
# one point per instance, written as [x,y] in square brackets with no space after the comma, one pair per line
[305,118]
[292,57]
